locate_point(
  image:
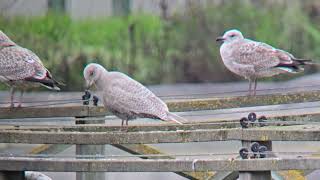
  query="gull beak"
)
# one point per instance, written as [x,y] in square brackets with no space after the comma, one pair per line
[220,39]
[89,84]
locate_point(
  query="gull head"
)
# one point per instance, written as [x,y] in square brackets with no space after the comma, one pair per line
[92,73]
[230,36]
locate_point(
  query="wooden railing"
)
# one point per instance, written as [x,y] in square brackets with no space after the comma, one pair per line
[90,134]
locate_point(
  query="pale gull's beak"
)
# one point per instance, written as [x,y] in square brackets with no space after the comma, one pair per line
[220,39]
[89,84]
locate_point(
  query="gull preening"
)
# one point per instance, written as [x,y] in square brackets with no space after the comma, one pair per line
[21,69]
[252,59]
[125,97]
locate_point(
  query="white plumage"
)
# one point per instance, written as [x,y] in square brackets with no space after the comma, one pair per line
[125,97]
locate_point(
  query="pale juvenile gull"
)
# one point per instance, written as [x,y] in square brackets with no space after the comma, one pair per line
[125,97]
[20,68]
[252,59]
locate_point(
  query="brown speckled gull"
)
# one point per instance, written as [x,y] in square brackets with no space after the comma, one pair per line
[252,59]
[125,97]
[20,68]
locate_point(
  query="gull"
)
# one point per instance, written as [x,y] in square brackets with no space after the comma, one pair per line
[21,69]
[252,59]
[125,97]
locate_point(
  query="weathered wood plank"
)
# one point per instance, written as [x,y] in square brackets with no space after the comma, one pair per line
[57,111]
[174,105]
[130,148]
[141,149]
[281,133]
[155,165]
[134,128]
[243,101]
[83,149]
[278,116]
[309,111]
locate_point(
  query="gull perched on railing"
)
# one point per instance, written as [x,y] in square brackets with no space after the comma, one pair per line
[20,68]
[125,97]
[252,59]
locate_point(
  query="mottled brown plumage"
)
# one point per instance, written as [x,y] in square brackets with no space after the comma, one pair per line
[125,97]
[21,68]
[252,59]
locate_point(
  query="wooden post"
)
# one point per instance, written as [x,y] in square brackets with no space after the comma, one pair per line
[90,150]
[9,175]
[256,175]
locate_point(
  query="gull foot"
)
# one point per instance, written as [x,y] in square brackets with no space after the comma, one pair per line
[11,105]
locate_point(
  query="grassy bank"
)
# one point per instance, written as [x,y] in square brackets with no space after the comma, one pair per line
[154,50]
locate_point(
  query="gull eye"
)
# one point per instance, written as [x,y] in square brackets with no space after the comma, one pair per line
[91,73]
[232,35]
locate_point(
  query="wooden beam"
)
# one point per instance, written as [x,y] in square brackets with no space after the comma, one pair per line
[285,112]
[219,119]
[83,149]
[131,128]
[243,101]
[142,149]
[57,111]
[281,133]
[156,165]
[174,105]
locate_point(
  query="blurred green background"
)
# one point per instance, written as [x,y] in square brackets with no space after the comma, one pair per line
[165,48]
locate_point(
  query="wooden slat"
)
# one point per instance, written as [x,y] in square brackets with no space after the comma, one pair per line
[308,111]
[219,119]
[243,101]
[83,149]
[281,133]
[209,119]
[155,165]
[57,111]
[130,148]
[142,149]
[134,128]
[174,105]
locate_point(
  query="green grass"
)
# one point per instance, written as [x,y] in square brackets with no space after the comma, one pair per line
[182,49]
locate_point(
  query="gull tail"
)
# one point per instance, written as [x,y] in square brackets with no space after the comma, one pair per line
[296,66]
[52,84]
[303,61]
[48,83]
[175,118]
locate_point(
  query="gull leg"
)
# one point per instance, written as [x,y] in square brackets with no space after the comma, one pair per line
[255,86]
[20,98]
[122,122]
[250,86]
[124,128]
[12,90]
[127,127]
